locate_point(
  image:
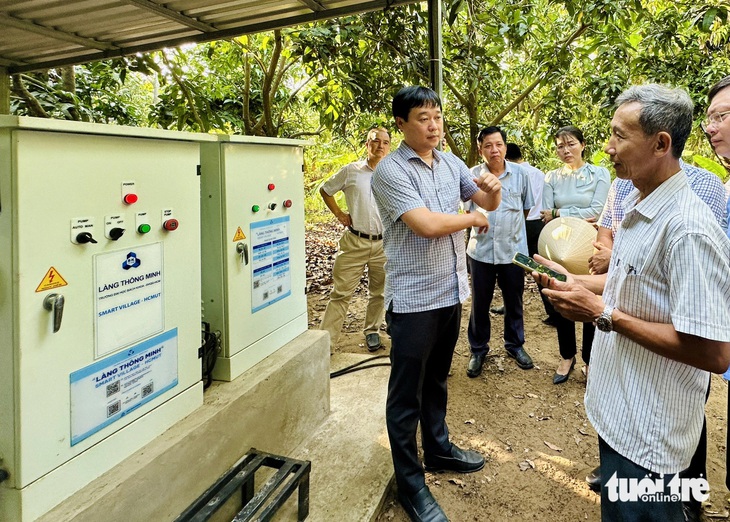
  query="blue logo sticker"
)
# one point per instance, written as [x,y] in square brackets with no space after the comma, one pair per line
[132,261]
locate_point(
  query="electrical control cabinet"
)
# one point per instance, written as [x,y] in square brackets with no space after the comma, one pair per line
[99,300]
[254,269]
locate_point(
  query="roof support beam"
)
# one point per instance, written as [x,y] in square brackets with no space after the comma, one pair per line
[11,21]
[88,55]
[170,14]
[4,91]
[435,47]
[313,5]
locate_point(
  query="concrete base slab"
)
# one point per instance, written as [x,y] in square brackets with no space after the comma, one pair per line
[350,454]
[273,407]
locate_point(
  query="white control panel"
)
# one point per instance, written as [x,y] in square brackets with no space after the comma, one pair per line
[254,269]
[99,300]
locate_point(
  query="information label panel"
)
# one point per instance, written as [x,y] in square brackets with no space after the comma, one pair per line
[111,388]
[271,264]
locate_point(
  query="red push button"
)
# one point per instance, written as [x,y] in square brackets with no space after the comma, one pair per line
[272,186]
[170,224]
[129,199]
[288,203]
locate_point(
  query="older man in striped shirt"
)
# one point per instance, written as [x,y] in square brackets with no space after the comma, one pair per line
[709,189]
[662,317]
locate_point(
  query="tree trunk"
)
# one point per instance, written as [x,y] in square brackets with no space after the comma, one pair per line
[33,104]
[68,84]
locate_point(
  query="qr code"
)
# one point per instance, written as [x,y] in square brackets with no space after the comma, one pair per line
[113,408]
[279,289]
[112,388]
[256,284]
[147,389]
[266,295]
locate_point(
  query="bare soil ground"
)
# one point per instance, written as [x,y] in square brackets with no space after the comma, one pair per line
[535,435]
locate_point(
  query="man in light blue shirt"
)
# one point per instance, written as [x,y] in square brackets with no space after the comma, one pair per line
[533,221]
[490,254]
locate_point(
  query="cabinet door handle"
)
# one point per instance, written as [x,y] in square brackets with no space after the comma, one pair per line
[54,303]
[242,249]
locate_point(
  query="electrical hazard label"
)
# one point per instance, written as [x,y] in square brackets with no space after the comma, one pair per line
[239,235]
[51,280]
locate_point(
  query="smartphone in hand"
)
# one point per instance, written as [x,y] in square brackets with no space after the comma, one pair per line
[531,265]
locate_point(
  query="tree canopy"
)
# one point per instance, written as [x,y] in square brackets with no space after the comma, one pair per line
[530,66]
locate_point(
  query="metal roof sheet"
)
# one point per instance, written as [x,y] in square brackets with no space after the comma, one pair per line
[40,34]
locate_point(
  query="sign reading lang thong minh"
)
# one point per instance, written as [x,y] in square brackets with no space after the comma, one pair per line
[128,297]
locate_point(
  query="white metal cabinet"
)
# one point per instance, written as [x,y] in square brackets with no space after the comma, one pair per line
[123,365]
[254,269]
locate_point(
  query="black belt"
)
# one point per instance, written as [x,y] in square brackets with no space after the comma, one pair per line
[366,236]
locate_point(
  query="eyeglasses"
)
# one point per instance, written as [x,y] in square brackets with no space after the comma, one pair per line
[715,117]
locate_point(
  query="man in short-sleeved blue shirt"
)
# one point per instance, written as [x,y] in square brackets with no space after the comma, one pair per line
[490,255]
[418,189]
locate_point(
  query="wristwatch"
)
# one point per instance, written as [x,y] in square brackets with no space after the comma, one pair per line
[604,322]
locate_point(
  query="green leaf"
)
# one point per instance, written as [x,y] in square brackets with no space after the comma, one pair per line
[709,18]
[454,11]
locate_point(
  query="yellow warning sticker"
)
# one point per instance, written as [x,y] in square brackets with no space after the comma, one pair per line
[239,235]
[51,280]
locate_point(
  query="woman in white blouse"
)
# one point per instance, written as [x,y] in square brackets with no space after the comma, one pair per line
[577,189]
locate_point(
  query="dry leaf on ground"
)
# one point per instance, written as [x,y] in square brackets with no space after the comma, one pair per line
[552,446]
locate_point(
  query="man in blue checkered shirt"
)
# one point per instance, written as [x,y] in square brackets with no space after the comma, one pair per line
[418,189]
[716,126]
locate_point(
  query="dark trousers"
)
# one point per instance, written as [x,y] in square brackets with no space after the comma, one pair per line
[698,465]
[566,337]
[589,332]
[533,228]
[421,350]
[511,280]
[644,511]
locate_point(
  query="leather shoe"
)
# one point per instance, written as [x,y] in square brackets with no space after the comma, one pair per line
[519,354]
[559,378]
[461,461]
[499,310]
[474,369]
[692,511]
[594,479]
[422,507]
[373,341]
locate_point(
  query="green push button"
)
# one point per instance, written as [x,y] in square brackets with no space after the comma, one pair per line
[143,229]
[255,208]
